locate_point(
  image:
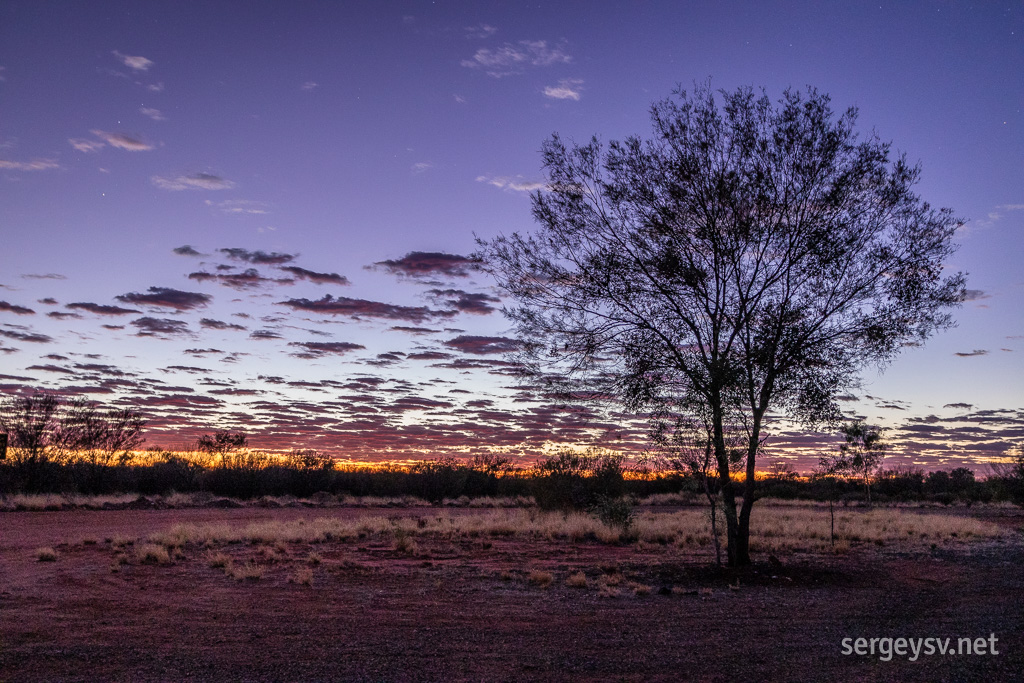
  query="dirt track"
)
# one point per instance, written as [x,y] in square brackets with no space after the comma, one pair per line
[465,610]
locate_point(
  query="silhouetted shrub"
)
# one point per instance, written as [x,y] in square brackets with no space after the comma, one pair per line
[570,480]
[435,480]
[616,512]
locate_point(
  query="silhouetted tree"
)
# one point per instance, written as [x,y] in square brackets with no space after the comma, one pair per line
[863,452]
[491,464]
[748,256]
[831,465]
[29,422]
[435,480]
[688,446]
[222,444]
[98,437]
[571,480]
[310,460]
[1010,474]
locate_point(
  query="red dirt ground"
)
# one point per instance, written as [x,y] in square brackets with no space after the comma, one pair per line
[465,610]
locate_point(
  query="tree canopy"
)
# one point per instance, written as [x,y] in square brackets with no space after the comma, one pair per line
[750,256]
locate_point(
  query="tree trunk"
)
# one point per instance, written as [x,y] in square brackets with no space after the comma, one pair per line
[732,526]
[831,508]
[713,504]
[743,532]
[750,487]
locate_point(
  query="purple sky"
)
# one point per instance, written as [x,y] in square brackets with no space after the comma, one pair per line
[254,215]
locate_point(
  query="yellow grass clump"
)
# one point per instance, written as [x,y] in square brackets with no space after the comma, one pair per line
[577,580]
[151,553]
[302,576]
[46,554]
[250,571]
[219,560]
[540,578]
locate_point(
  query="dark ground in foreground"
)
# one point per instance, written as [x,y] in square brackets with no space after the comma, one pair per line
[465,610]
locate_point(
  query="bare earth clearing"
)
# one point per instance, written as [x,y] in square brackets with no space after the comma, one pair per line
[391,605]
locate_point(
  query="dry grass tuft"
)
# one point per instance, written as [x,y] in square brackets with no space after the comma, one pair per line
[151,553]
[541,579]
[270,555]
[613,579]
[121,541]
[46,554]
[314,559]
[577,580]
[302,576]
[250,571]
[218,561]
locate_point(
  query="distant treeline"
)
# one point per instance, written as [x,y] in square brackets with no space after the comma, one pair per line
[79,448]
[567,480]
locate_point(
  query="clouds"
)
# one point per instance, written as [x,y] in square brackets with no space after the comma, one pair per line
[86,146]
[249,279]
[257,257]
[319,349]
[482,345]
[465,302]
[512,59]
[121,141]
[117,140]
[240,207]
[420,264]
[186,250]
[567,89]
[13,308]
[152,113]
[166,297]
[197,181]
[135,63]
[211,324]
[23,334]
[318,278]
[160,327]
[480,31]
[43,276]
[100,309]
[512,184]
[361,308]
[265,334]
[970,354]
[34,165]
[980,433]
